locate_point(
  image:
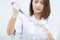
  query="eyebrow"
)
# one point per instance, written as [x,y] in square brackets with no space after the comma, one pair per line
[35,0]
[38,0]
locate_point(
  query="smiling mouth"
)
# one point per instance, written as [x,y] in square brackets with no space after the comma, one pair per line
[37,8]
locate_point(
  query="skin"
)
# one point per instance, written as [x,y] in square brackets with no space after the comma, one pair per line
[10,28]
[50,36]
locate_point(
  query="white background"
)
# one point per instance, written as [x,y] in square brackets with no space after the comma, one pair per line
[5,15]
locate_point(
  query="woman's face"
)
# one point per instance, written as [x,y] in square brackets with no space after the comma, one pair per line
[38,6]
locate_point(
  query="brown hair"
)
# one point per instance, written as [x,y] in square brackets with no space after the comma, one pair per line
[46,10]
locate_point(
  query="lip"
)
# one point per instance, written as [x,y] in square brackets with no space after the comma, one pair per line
[37,9]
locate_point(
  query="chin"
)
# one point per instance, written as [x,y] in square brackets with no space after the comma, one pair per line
[38,11]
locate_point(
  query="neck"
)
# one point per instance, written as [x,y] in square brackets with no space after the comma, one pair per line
[37,16]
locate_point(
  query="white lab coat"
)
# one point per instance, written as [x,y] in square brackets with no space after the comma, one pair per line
[28,27]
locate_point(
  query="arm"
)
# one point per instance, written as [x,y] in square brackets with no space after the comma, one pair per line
[15,10]
[10,28]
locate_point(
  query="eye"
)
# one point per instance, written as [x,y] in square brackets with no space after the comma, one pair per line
[36,2]
[42,2]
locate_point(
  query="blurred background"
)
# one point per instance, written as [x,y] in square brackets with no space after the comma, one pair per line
[5,15]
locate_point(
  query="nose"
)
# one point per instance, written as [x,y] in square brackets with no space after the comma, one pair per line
[38,4]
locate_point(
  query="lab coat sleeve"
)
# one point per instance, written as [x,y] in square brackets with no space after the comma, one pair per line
[18,25]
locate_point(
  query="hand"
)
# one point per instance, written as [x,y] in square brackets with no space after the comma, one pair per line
[50,37]
[15,9]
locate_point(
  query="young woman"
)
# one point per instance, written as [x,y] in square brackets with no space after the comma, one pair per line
[34,27]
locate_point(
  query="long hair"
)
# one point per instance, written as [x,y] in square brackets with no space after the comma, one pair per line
[46,11]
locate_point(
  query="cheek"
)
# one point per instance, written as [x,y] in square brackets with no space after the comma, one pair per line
[42,7]
[33,6]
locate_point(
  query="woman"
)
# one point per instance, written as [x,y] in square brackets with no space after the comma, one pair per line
[34,27]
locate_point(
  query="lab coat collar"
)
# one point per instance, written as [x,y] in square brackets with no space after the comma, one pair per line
[34,19]
[41,21]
